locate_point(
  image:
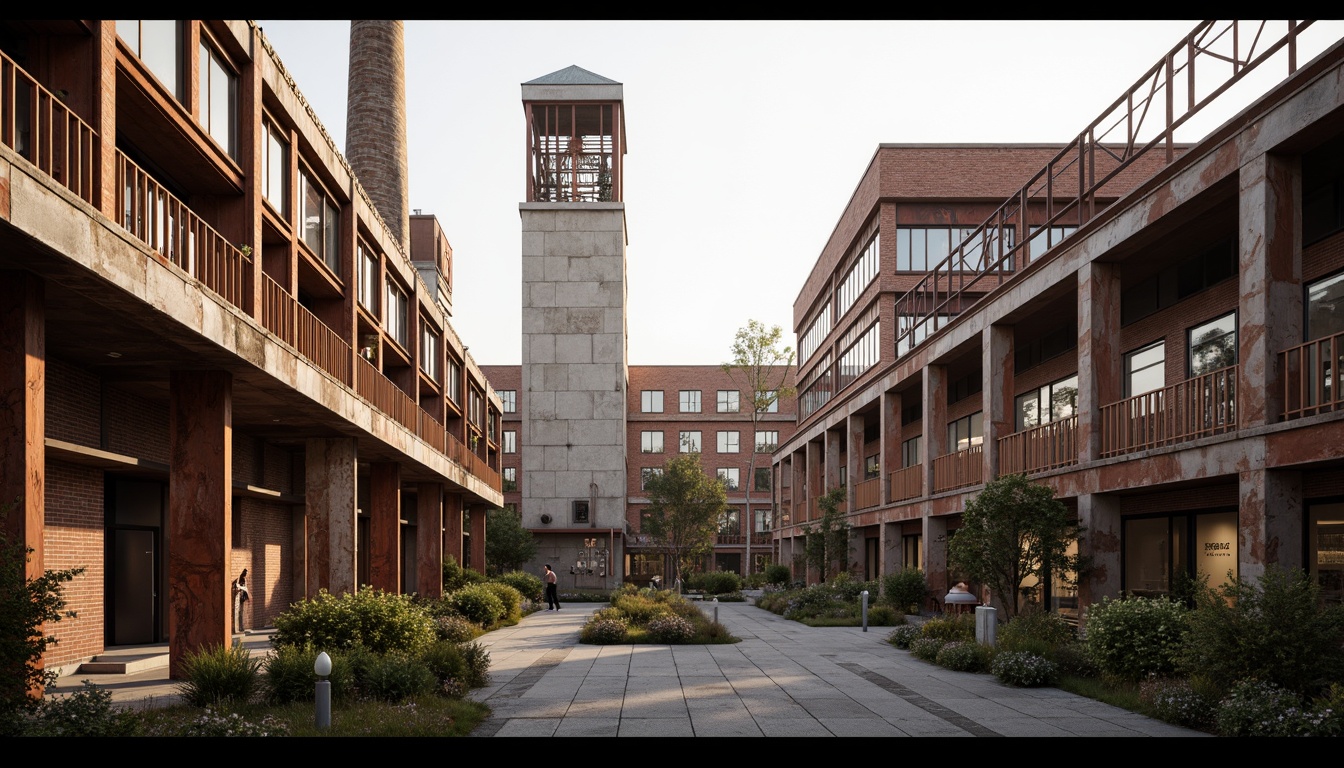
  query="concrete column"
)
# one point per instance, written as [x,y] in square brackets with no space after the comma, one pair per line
[1100,376]
[890,429]
[854,441]
[200,496]
[815,484]
[330,510]
[1270,521]
[385,526]
[831,452]
[23,380]
[935,554]
[103,119]
[429,540]
[798,470]
[478,537]
[935,420]
[889,545]
[1269,314]
[996,367]
[1099,515]
[452,527]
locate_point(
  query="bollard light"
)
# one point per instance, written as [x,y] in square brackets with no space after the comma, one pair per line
[865,610]
[322,666]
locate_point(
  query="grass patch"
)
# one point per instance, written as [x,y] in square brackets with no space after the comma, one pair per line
[423,716]
[1115,693]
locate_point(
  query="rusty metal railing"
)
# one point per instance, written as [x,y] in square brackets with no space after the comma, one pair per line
[1065,192]
[1047,446]
[1191,409]
[868,493]
[907,483]
[1310,377]
[959,469]
[37,125]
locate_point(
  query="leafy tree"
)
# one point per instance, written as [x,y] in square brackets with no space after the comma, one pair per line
[760,367]
[508,545]
[828,541]
[684,509]
[1014,532]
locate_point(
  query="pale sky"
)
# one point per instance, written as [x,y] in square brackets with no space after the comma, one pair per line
[745,141]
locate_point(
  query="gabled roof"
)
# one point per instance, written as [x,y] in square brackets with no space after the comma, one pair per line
[572,75]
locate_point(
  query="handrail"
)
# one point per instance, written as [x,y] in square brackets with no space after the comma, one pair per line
[1191,409]
[41,129]
[959,469]
[907,483]
[1046,446]
[1090,161]
[868,493]
[1310,377]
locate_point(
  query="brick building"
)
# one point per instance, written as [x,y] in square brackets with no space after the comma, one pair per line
[217,355]
[1148,328]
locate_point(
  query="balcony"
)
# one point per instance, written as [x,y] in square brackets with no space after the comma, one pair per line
[1195,408]
[1047,446]
[960,469]
[759,539]
[868,493]
[907,483]
[38,126]
[1308,377]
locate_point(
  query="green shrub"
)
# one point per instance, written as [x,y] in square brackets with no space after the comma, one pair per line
[777,574]
[964,656]
[950,627]
[1261,708]
[719,582]
[640,610]
[213,724]
[396,677]
[904,636]
[478,664]
[671,629]
[1136,638]
[885,616]
[510,597]
[604,631]
[455,628]
[756,580]
[847,589]
[478,604]
[905,590]
[1036,629]
[380,621]
[456,577]
[86,712]
[530,586]
[448,662]
[288,675]
[1178,702]
[1074,660]
[1273,628]
[1023,670]
[926,648]
[220,676]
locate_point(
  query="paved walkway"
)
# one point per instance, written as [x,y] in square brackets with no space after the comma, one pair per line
[783,679]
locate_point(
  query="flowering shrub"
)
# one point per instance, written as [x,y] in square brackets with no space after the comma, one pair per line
[1024,670]
[212,723]
[455,628]
[963,656]
[1137,637]
[1256,708]
[671,629]
[604,631]
[926,648]
[903,636]
[1176,701]
[86,712]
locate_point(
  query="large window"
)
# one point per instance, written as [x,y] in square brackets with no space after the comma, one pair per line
[965,432]
[1325,549]
[731,477]
[1045,238]
[1324,320]
[218,87]
[730,441]
[651,401]
[367,278]
[910,452]
[815,334]
[763,475]
[646,474]
[771,398]
[860,355]
[453,383]
[729,524]
[767,440]
[860,274]
[650,442]
[509,479]
[1158,549]
[321,223]
[508,400]
[429,352]
[1053,401]
[158,43]
[510,441]
[729,400]
[871,467]
[1213,345]
[920,249]
[275,169]
[690,401]
[395,322]
[689,441]
[1145,369]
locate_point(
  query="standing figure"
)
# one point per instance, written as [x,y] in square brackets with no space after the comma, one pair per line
[552,596]
[240,598]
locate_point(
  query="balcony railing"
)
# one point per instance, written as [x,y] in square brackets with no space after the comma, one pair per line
[1048,446]
[37,125]
[164,223]
[1309,377]
[387,397]
[868,493]
[738,539]
[458,451]
[1195,408]
[284,316]
[960,469]
[907,483]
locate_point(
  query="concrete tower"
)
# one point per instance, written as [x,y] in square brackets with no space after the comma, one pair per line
[574,369]
[375,129]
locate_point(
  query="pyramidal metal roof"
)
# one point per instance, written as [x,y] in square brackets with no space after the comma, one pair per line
[572,75]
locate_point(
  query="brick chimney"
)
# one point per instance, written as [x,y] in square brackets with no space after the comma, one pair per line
[375,130]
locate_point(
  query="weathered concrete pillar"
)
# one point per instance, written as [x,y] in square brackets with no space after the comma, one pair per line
[997,390]
[200,497]
[815,481]
[831,452]
[1270,521]
[1269,314]
[385,526]
[429,540]
[478,537]
[854,463]
[1099,515]
[1100,378]
[935,420]
[452,527]
[23,381]
[935,554]
[890,430]
[330,508]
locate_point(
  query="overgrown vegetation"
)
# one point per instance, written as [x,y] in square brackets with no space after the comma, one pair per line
[638,616]
[827,545]
[837,603]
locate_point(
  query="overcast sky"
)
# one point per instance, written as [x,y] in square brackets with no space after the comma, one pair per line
[746,140]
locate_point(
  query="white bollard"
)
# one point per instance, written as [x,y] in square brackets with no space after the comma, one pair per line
[986,625]
[865,610]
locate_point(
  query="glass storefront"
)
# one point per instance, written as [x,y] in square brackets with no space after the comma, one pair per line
[1157,549]
[1325,549]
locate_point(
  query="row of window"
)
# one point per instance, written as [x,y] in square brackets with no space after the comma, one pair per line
[688,400]
[730,477]
[729,525]
[729,441]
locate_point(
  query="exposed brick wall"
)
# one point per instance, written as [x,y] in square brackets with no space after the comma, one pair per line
[265,553]
[135,426]
[72,406]
[73,538]
[375,141]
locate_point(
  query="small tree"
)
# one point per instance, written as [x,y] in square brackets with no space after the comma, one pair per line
[683,512]
[828,540]
[1014,532]
[760,367]
[508,545]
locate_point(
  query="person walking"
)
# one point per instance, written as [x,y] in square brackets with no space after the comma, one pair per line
[552,596]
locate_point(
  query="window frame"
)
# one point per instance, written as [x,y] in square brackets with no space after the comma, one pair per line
[648,399]
[645,474]
[648,443]
[1129,370]
[213,60]
[729,441]
[767,447]
[692,437]
[396,319]
[731,477]
[508,400]
[1190,344]
[689,400]
[431,351]
[729,401]
[328,227]
[275,174]
[509,441]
